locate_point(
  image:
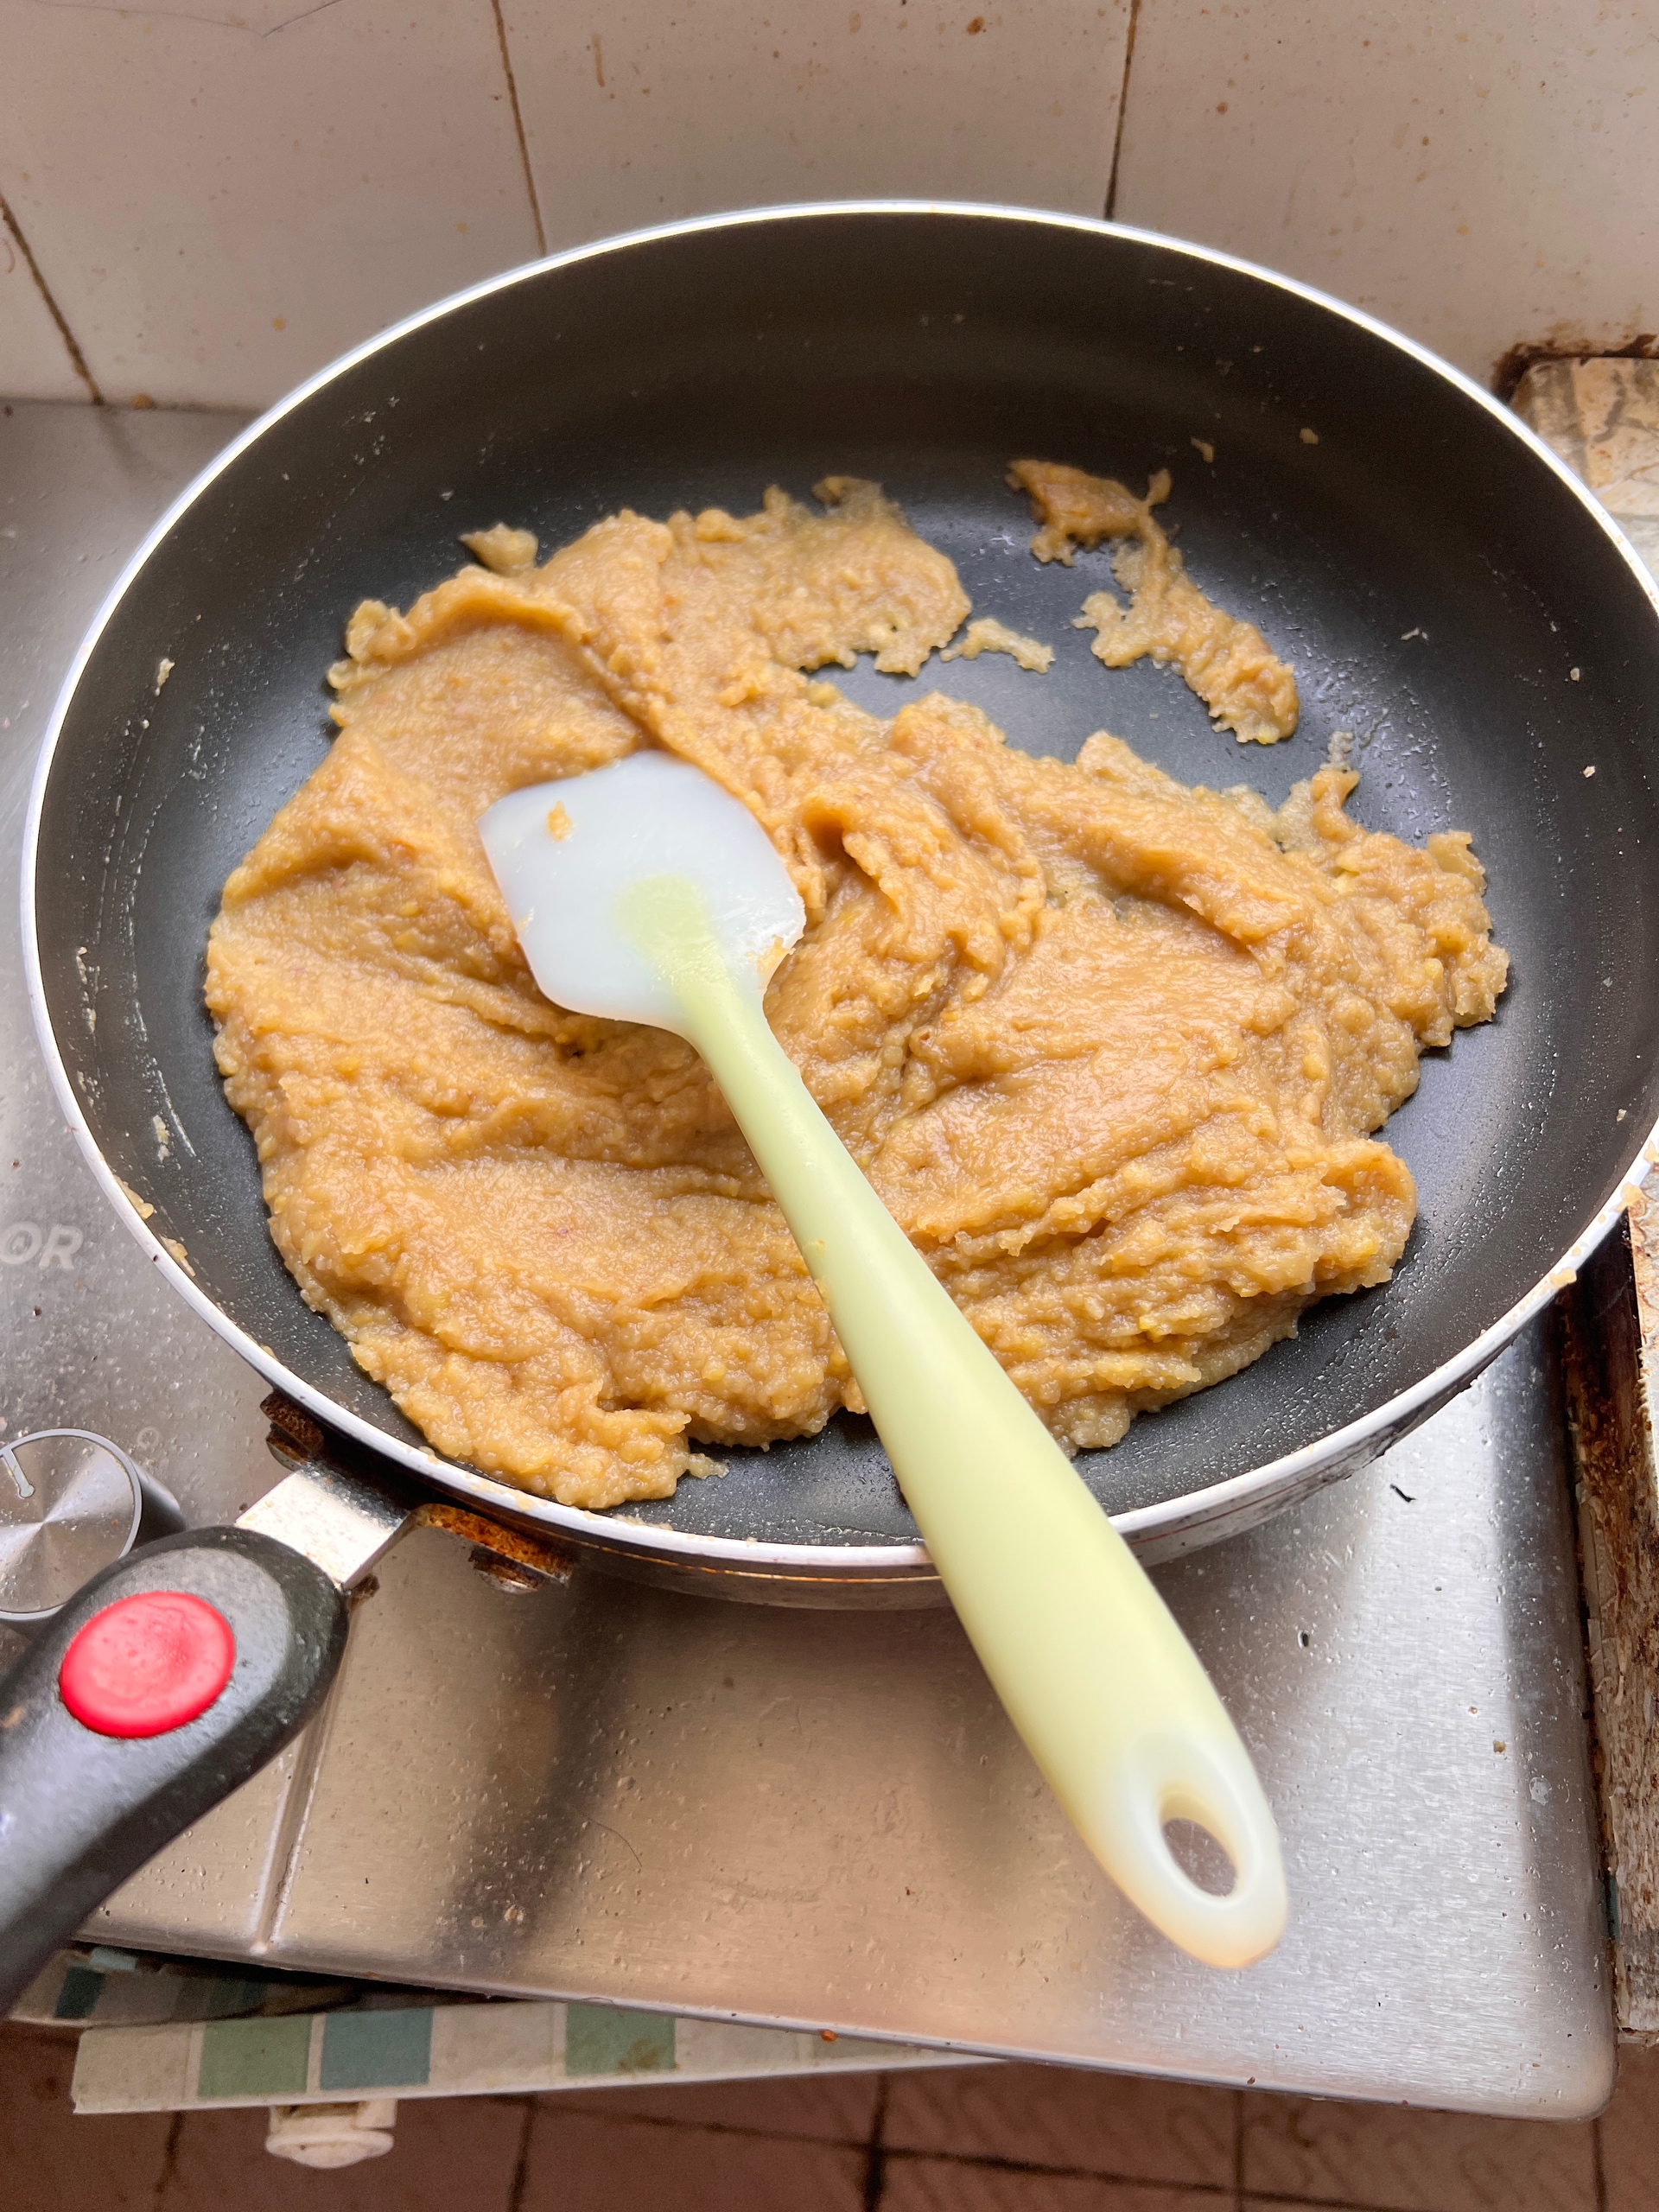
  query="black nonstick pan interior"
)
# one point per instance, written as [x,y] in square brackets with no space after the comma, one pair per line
[1443,594]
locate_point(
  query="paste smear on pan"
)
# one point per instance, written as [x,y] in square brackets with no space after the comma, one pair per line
[1245,686]
[1112,1051]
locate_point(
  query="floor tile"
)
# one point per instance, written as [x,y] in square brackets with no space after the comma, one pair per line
[830,2108]
[945,2185]
[1123,2125]
[51,2160]
[450,2152]
[1290,2204]
[1400,2160]
[1629,2134]
[577,2163]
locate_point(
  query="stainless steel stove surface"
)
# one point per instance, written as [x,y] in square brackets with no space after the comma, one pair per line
[612,1792]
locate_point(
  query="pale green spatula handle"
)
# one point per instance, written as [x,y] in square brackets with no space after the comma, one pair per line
[1094,1672]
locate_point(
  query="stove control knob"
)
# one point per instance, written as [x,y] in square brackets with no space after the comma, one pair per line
[70,1505]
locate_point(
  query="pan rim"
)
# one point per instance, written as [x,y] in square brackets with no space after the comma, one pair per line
[1235,1501]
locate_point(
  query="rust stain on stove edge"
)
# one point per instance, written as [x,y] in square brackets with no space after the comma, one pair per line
[1608,1326]
[1561,345]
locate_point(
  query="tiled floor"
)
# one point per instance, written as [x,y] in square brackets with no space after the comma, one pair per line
[1013,2138]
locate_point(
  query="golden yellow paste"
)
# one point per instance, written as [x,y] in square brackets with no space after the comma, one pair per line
[1247,688]
[1112,1051]
[988,635]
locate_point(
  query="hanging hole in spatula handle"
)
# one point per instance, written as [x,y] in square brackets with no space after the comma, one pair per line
[1164,1777]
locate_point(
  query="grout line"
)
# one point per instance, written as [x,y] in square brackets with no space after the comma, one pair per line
[1123,110]
[518,124]
[77,359]
[304,16]
[875,2153]
[521,2165]
[169,2160]
[1600,2167]
[1238,2151]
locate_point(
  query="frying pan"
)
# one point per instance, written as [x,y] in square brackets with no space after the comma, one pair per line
[1449,596]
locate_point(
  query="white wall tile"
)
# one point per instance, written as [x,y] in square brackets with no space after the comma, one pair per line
[223,195]
[642,110]
[1480,173]
[35,362]
[223,198]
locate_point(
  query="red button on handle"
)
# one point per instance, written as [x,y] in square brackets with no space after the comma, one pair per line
[147,1663]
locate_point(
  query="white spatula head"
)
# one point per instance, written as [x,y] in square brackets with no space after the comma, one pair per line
[571,857]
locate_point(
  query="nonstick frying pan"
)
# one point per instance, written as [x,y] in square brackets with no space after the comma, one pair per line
[1448,593]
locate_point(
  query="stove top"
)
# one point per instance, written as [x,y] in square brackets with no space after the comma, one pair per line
[92,1340]
[606,1791]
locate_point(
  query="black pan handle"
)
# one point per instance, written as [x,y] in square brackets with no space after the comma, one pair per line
[218,1645]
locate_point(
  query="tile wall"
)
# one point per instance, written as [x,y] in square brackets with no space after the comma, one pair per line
[677,107]
[220,199]
[221,196]
[1479,173]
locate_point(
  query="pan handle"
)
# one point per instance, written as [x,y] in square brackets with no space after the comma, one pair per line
[165,1683]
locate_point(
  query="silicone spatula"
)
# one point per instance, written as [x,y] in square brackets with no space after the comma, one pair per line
[646,892]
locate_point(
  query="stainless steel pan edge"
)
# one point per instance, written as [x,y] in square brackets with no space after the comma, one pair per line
[802,1572]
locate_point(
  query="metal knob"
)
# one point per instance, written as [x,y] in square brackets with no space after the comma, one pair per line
[70,1505]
